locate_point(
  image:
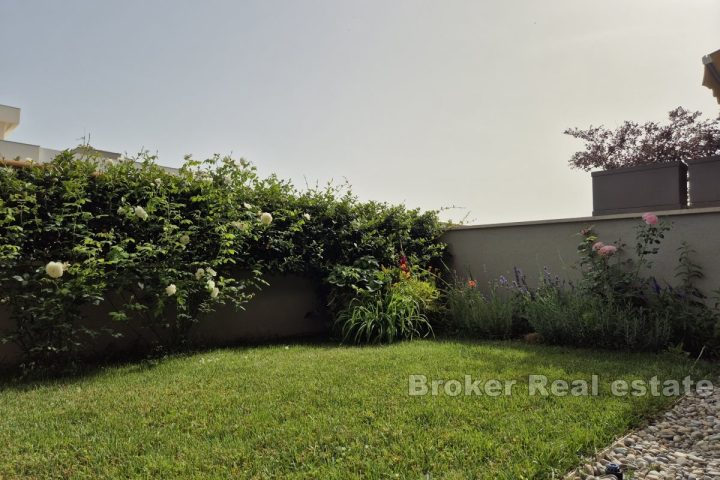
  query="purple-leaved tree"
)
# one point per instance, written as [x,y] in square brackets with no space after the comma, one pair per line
[685,137]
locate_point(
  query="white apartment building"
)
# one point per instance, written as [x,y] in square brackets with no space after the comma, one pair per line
[9,120]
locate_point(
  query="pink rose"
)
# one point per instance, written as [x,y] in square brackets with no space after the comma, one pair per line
[607,250]
[650,218]
[597,246]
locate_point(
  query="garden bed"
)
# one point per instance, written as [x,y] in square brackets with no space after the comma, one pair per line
[316,411]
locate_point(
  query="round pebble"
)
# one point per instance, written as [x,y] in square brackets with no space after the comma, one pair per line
[682,444]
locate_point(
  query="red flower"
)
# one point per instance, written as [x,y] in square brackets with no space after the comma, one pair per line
[403,264]
[472,283]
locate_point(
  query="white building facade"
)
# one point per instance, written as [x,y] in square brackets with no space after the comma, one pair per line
[9,120]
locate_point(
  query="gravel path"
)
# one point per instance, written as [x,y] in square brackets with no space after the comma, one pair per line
[682,444]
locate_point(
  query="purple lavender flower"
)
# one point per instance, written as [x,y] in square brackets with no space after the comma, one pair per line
[656,286]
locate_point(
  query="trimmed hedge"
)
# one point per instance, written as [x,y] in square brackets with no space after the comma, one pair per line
[80,228]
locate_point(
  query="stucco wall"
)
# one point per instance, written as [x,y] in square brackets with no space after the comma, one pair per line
[13,150]
[288,307]
[488,251]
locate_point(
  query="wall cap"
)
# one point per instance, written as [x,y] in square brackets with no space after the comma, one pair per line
[590,220]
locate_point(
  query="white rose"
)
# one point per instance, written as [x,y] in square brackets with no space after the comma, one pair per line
[215,292]
[158,182]
[54,269]
[247,206]
[266,218]
[200,273]
[306,216]
[210,284]
[170,290]
[211,272]
[141,213]
[65,265]
[185,239]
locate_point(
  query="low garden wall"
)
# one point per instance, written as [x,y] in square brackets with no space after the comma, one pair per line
[288,307]
[485,252]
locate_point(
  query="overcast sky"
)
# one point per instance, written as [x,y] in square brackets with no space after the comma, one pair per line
[430,103]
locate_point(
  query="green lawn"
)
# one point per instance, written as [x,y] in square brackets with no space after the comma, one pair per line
[305,411]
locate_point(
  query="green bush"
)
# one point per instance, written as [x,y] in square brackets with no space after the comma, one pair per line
[474,314]
[47,232]
[695,317]
[572,317]
[73,239]
[397,310]
[167,248]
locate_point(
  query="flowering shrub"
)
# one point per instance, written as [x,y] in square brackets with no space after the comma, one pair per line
[166,248]
[396,307]
[568,316]
[684,138]
[50,262]
[72,239]
[607,274]
[617,304]
[179,245]
[475,314]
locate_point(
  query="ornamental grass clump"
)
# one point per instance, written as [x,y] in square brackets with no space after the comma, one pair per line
[398,306]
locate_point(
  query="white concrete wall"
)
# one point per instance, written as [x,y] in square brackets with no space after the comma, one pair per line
[9,119]
[47,155]
[19,151]
[24,151]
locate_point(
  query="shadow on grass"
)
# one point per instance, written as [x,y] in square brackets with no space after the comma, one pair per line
[135,361]
[569,362]
[583,362]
